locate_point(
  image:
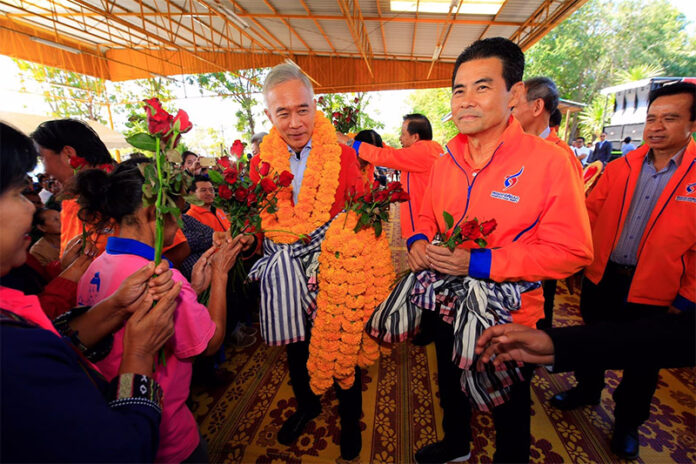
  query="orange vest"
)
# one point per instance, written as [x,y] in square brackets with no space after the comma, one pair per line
[529,188]
[415,162]
[215,220]
[71,226]
[555,139]
[666,268]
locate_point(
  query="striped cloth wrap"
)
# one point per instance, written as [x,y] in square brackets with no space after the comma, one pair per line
[470,305]
[287,274]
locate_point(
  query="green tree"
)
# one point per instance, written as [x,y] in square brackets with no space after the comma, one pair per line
[338,102]
[435,104]
[242,87]
[637,73]
[68,94]
[127,98]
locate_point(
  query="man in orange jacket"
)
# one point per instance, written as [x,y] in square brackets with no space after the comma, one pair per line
[534,111]
[207,214]
[494,170]
[417,155]
[643,216]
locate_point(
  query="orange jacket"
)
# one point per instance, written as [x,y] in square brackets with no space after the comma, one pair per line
[70,226]
[528,188]
[555,139]
[215,220]
[666,268]
[415,161]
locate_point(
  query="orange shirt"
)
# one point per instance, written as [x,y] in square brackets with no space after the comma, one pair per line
[70,226]
[665,273]
[529,188]
[555,139]
[213,218]
[415,161]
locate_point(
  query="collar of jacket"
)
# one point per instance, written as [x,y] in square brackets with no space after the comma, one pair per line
[511,135]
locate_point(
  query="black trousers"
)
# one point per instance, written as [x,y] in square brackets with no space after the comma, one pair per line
[549,288]
[606,301]
[511,419]
[349,401]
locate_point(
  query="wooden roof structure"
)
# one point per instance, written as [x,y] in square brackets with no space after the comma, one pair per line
[343,45]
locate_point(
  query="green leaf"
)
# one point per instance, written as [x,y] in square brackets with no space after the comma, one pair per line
[481,242]
[378,228]
[143,141]
[193,200]
[215,177]
[449,220]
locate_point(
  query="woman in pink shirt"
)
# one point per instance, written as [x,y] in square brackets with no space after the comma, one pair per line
[197,330]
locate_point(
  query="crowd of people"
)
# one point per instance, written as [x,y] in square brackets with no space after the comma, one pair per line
[99,344]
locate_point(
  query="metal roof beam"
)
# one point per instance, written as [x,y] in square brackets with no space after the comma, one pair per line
[290,28]
[243,13]
[321,29]
[356,25]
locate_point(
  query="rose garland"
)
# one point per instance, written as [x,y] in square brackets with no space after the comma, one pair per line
[319,183]
[355,274]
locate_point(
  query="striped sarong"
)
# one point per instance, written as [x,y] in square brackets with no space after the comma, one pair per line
[287,277]
[470,306]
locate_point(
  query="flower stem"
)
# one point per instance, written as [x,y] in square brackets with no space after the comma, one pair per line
[159,217]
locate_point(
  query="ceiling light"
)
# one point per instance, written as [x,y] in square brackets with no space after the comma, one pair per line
[67,48]
[471,7]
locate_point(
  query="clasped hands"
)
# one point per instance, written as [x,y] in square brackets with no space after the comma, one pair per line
[424,255]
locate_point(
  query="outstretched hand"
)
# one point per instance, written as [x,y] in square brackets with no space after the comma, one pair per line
[514,342]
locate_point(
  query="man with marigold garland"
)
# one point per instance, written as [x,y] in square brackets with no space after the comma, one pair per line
[304,142]
[494,170]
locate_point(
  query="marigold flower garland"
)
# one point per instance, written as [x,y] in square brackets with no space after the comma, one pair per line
[355,274]
[319,183]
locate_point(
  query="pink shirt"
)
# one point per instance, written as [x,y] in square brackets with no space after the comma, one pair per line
[193,329]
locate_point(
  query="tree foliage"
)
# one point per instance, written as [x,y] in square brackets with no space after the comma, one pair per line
[243,87]
[337,102]
[68,94]
[128,98]
[435,104]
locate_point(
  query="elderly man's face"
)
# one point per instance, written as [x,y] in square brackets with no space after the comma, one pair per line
[292,110]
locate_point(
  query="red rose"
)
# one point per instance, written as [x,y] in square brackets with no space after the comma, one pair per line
[268,185]
[237,148]
[230,175]
[225,192]
[392,186]
[488,227]
[471,230]
[264,168]
[336,114]
[285,179]
[182,118]
[158,120]
[106,167]
[251,199]
[402,196]
[224,162]
[240,194]
[381,195]
[78,163]
[375,185]
[356,100]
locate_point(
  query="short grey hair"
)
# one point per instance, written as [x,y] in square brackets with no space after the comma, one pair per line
[258,137]
[285,72]
[544,88]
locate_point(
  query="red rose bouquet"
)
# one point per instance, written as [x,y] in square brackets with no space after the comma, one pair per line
[469,230]
[372,208]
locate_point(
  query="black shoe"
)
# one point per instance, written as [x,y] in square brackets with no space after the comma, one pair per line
[572,399]
[295,425]
[440,453]
[351,441]
[624,443]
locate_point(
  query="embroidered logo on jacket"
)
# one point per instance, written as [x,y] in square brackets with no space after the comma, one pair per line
[690,188]
[511,181]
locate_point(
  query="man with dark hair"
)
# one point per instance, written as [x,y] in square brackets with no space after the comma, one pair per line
[256,140]
[207,214]
[555,119]
[644,234]
[602,150]
[627,146]
[581,151]
[494,170]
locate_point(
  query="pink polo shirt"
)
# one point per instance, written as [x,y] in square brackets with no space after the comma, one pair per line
[193,329]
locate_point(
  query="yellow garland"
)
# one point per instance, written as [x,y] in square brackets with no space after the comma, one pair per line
[355,274]
[319,184]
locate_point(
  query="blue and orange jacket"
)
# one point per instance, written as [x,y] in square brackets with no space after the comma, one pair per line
[666,268]
[415,162]
[529,187]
